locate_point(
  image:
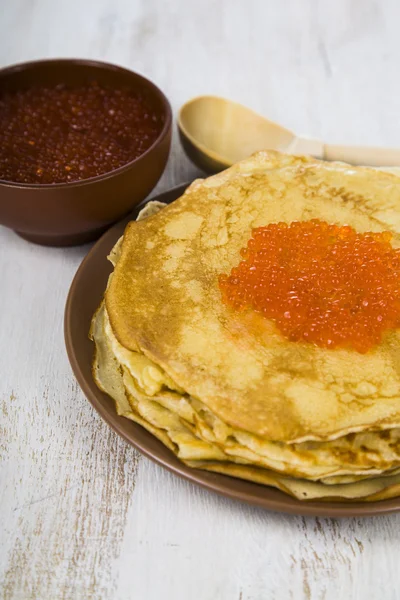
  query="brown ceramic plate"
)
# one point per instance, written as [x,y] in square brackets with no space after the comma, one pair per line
[84,297]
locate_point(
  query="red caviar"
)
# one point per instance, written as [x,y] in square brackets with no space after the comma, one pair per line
[61,133]
[320,283]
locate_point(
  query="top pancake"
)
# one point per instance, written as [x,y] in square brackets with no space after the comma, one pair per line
[164,300]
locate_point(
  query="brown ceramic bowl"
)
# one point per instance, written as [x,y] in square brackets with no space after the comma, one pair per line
[72,213]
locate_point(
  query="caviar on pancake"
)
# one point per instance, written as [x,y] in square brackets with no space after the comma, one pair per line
[321,283]
[61,134]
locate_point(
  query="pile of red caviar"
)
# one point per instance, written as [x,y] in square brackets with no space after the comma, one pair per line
[320,283]
[60,134]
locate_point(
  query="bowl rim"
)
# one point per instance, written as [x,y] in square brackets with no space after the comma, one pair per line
[15,68]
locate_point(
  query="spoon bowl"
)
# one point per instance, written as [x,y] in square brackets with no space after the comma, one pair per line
[216,132]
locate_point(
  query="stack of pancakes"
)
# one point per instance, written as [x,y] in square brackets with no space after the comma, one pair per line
[224,390]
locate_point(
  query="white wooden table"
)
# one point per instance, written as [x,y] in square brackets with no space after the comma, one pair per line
[82,514]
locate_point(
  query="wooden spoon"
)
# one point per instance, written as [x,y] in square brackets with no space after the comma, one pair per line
[216,133]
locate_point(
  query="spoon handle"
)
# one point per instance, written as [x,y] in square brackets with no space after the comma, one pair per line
[363,155]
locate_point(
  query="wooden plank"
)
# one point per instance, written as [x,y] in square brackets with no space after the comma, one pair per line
[82,515]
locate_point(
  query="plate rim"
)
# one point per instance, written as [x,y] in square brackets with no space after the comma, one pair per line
[214,482]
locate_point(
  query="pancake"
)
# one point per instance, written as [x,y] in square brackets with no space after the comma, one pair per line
[240,366]
[226,391]
[362,454]
[177,434]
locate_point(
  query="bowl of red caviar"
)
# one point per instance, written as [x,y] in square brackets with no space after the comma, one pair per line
[81,143]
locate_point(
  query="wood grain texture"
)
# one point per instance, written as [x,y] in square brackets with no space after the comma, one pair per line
[82,515]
